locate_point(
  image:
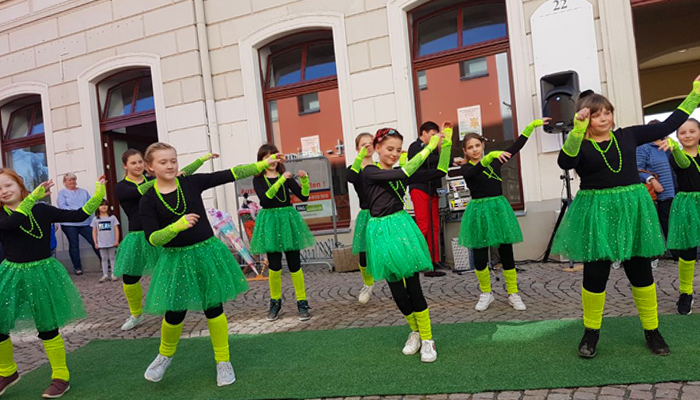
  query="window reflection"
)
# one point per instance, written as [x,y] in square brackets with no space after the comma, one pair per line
[438,33]
[286,68]
[320,61]
[482,23]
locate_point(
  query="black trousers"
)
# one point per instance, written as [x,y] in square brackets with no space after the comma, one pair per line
[408,295]
[663,208]
[46,335]
[596,273]
[176,317]
[481,257]
[293,260]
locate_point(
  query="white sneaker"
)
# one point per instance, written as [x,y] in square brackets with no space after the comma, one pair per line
[485,300]
[132,322]
[616,265]
[156,370]
[517,302]
[654,263]
[114,278]
[103,279]
[365,294]
[412,344]
[427,352]
[224,374]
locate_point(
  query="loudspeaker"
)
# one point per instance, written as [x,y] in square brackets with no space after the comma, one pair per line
[559,93]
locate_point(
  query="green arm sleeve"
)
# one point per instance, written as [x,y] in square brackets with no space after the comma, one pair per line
[272,191]
[357,164]
[94,203]
[165,235]
[244,171]
[573,143]
[413,164]
[678,155]
[489,158]
[305,187]
[402,159]
[145,185]
[531,127]
[195,165]
[445,151]
[25,207]
[691,102]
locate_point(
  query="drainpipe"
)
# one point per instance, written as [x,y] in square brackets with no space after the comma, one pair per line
[212,120]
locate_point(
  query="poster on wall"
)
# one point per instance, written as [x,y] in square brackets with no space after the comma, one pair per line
[311,146]
[469,120]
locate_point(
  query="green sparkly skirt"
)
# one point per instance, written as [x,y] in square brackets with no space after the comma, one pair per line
[396,249]
[359,239]
[613,224]
[489,222]
[135,256]
[40,294]
[196,277]
[280,229]
[684,221]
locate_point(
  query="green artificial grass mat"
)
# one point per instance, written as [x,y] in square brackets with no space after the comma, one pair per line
[472,357]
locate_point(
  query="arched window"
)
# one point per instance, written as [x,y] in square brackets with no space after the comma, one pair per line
[303,112]
[23,143]
[461,62]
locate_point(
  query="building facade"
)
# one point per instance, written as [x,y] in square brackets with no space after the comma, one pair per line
[82,80]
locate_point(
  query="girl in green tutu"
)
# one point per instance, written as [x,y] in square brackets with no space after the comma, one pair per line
[613,216]
[279,229]
[365,150]
[684,221]
[135,256]
[195,270]
[489,221]
[34,287]
[396,249]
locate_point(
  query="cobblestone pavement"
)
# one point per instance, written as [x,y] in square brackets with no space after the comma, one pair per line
[548,292]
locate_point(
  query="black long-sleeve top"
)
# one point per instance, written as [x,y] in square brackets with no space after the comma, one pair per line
[155,216]
[19,246]
[284,192]
[688,179]
[382,198]
[128,195]
[358,183]
[427,179]
[590,165]
[481,181]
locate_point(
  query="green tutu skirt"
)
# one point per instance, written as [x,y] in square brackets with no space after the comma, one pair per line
[359,239]
[396,249]
[38,293]
[280,229]
[610,224]
[196,277]
[489,222]
[684,221]
[135,256]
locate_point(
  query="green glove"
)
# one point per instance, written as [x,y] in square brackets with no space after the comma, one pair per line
[489,158]
[573,143]
[94,203]
[146,184]
[691,102]
[445,151]
[402,159]
[244,171]
[272,191]
[531,127]
[25,207]
[165,235]
[678,154]
[413,164]
[357,164]
[195,165]
[305,187]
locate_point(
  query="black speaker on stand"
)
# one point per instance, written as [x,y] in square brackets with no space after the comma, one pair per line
[559,94]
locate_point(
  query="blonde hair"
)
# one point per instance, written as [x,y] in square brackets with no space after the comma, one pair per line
[596,102]
[148,157]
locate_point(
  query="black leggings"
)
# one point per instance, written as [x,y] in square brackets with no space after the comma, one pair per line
[481,257]
[689,254]
[176,317]
[363,259]
[47,335]
[293,260]
[638,271]
[408,297]
[130,279]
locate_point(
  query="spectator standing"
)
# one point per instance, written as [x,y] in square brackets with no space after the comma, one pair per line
[105,234]
[74,198]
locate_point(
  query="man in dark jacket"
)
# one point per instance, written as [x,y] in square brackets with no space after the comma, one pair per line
[423,186]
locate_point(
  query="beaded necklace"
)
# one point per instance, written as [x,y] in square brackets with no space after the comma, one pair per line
[693,160]
[145,179]
[613,139]
[180,194]
[490,173]
[282,189]
[32,225]
[396,188]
